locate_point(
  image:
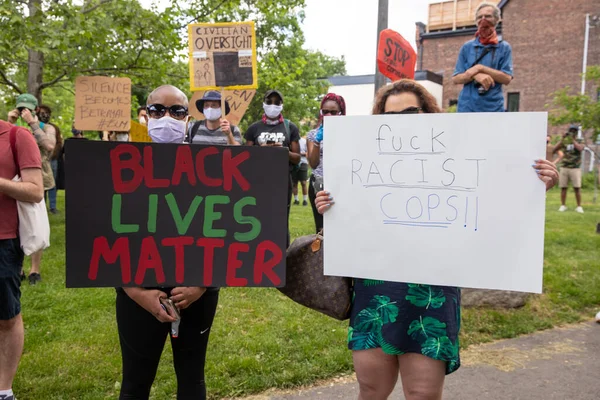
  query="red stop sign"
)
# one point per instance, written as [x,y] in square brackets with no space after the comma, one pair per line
[396,58]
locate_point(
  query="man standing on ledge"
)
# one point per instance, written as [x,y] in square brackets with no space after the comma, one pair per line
[484,64]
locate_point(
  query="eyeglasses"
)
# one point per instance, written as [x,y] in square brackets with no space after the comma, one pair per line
[330,112]
[275,102]
[408,110]
[157,111]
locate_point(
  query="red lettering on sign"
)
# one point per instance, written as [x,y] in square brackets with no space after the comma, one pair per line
[149,259]
[265,267]
[209,256]
[184,164]
[117,165]
[233,263]
[178,243]
[152,182]
[200,170]
[231,170]
[120,249]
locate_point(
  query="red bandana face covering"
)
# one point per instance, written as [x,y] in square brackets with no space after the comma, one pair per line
[486,33]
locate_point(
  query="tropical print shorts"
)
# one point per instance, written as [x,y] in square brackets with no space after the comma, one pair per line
[404,318]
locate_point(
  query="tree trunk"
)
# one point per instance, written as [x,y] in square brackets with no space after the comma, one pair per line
[35,63]
[35,73]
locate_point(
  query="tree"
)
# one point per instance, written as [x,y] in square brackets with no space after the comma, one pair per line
[53,41]
[300,75]
[578,109]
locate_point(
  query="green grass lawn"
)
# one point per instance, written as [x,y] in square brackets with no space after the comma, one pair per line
[260,339]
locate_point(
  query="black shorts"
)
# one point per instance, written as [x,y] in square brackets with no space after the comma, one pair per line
[11,260]
[299,173]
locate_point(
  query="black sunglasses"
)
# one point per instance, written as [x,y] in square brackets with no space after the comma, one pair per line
[330,112]
[277,102]
[408,110]
[157,111]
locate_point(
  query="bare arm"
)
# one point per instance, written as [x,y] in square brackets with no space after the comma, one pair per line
[295,153]
[578,146]
[30,189]
[497,76]
[314,154]
[46,140]
[469,75]
[560,157]
[249,143]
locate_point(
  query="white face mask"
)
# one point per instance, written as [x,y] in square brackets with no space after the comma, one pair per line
[166,130]
[272,110]
[212,114]
[122,137]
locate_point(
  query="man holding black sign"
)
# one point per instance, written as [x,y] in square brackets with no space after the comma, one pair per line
[484,64]
[145,316]
[273,130]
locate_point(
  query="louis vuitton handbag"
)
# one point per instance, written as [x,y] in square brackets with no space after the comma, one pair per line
[306,283]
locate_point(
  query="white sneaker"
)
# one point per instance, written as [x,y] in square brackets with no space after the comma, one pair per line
[579,210]
[562,208]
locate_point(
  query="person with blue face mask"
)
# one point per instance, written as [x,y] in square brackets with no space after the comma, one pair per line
[215,129]
[143,321]
[274,130]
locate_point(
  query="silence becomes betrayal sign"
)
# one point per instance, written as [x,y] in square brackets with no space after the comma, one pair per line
[175,215]
[396,58]
[102,103]
[222,55]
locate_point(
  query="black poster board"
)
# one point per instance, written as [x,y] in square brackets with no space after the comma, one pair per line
[147,214]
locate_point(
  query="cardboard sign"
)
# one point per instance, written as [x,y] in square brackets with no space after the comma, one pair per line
[442,199]
[102,103]
[396,58]
[223,55]
[139,133]
[239,101]
[175,215]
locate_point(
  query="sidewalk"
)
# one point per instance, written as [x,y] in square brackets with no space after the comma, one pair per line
[562,363]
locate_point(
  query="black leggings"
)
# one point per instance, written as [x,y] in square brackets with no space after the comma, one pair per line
[142,339]
[312,195]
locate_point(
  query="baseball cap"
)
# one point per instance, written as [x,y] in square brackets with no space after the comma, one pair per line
[211,95]
[27,100]
[273,91]
[573,127]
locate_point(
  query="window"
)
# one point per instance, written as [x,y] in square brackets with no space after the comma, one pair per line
[513,102]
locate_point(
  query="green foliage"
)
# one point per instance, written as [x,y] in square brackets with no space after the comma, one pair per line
[371,282]
[426,327]
[299,75]
[368,320]
[424,296]
[578,109]
[122,38]
[439,348]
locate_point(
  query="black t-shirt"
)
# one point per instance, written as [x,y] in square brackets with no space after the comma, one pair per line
[260,133]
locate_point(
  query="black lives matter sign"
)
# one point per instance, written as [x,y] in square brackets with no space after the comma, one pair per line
[175,215]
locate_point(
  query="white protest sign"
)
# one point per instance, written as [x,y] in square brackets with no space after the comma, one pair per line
[441,199]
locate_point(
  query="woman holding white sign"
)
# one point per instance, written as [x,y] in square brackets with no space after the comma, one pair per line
[403,328]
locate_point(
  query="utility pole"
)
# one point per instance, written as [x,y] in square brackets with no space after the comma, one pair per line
[382,24]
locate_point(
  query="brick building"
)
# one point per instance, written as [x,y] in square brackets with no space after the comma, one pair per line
[547,39]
